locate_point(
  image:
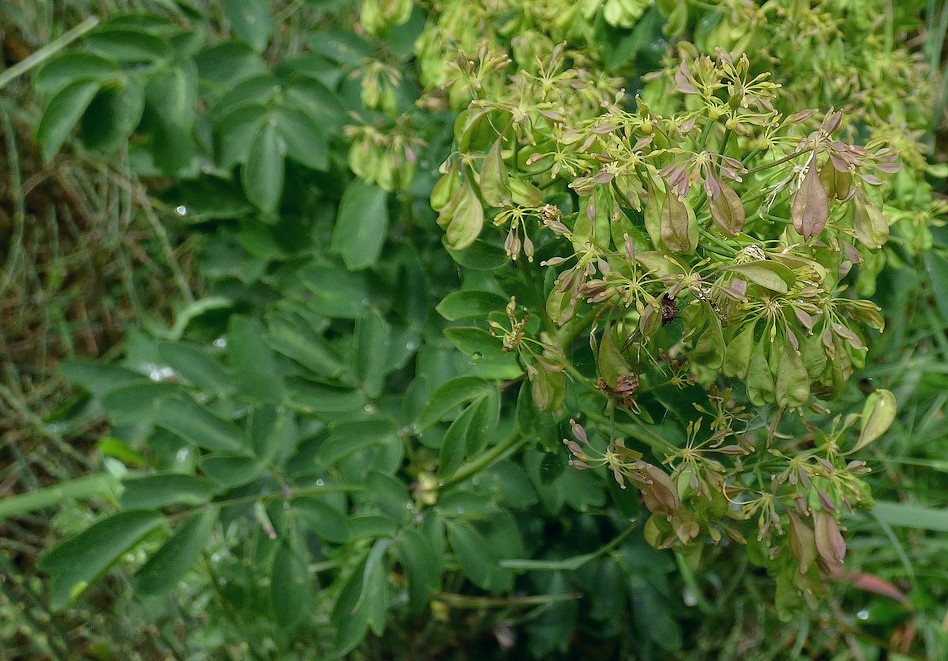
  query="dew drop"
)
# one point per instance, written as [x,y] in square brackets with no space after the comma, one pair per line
[181,210]
[689,597]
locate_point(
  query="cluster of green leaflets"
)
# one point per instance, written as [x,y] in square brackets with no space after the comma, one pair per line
[664,279]
[703,245]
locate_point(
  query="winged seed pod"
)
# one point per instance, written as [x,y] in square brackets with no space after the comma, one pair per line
[678,227]
[838,183]
[493,182]
[727,210]
[446,187]
[870,226]
[464,224]
[829,541]
[810,209]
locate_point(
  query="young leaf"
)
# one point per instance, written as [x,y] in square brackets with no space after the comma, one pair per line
[361,225]
[75,563]
[171,562]
[62,113]
[809,210]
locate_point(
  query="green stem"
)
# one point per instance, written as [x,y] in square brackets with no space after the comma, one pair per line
[779,161]
[728,250]
[688,576]
[485,459]
[639,433]
[535,294]
[263,498]
[480,603]
[724,141]
[46,51]
[569,331]
[568,564]
[704,135]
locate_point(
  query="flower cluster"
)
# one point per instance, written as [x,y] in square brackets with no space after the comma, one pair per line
[703,252]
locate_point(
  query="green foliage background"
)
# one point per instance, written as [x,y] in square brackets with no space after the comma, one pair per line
[288,431]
